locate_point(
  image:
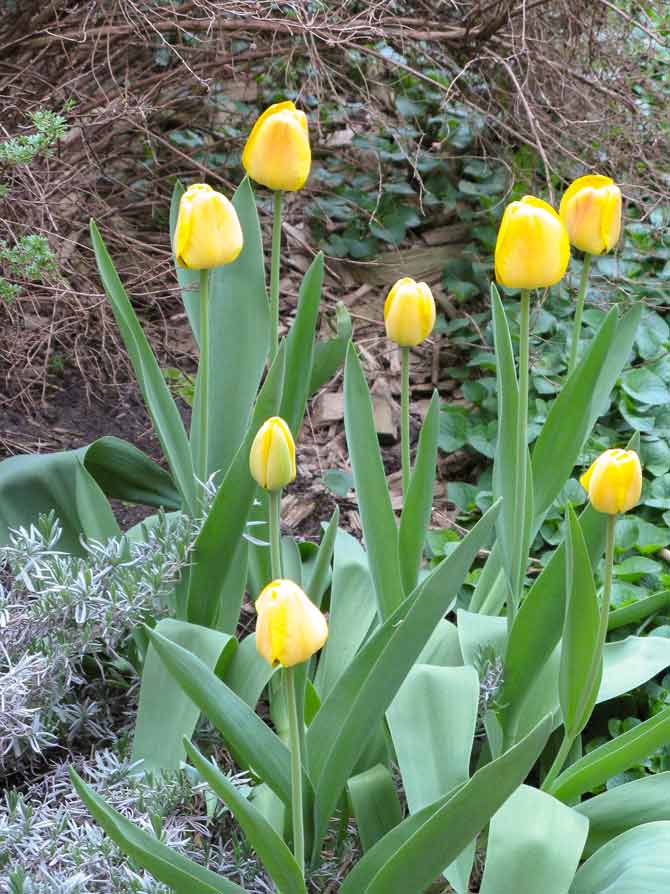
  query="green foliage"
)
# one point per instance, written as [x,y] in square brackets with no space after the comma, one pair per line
[22,150]
[30,258]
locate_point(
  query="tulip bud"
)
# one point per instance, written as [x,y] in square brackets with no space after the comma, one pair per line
[532,249]
[277,152]
[272,455]
[208,232]
[614,481]
[409,312]
[591,211]
[290,627]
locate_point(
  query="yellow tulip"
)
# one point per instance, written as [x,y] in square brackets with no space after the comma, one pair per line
[591,211]
[277,152]
[290,627]
[208,232]
[272,455]
[532,248]
[409,312]
[614,481]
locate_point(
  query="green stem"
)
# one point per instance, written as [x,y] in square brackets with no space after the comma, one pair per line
[296,770]
[203,377]
[274,276]
[607,582]
[404,432]
[559,760]
[518,552]
[579,309]
[274,506]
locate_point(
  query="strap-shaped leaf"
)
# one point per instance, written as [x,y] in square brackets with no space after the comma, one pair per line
[635,862]
[581,652]
[374,803]
[165,713]
[419,503]
[534,844]
[601,764]
[623,807]
[215,551]
[160,405]
[411,856]
[319,578]
[330,353]
[377,518]
[243,729]
[270,848]
[300,347]
[164,863]
[361,696]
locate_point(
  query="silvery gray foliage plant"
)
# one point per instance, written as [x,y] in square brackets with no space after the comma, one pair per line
[50,845]
[64,622]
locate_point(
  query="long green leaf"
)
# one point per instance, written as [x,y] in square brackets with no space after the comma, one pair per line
[270,848]
[505,471]
[320,574]
[300,347]
[239,329]
[165,713]
[413,854]
[625,806]
[248,672]
[375,804]
[377,518]
[361,696]
[419,503]
[352,612]
[581,652]
[162,408]
[638,611]
[244,730]
[534,844]
[437,707]
[216,549]
[539,623]
[601,764]
[163,862]
[636,862]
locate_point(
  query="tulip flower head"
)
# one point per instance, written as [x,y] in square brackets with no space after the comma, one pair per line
[290,627]
[272,455]
[208,232]
[277,152]
[591,211]
[532,248]
[409,312]
[614,481]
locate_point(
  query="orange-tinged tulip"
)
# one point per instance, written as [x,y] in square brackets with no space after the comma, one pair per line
[208,232]
[409,312]
[532,248]
[290,627]
[277,152]
[591,211]
[614,481]
[272,455]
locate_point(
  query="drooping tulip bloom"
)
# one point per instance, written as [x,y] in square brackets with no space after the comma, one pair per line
[532,250]
[290,627]
[591,211]
[272,455]
[409,312]
[614,481]
[208,232]
[277,152]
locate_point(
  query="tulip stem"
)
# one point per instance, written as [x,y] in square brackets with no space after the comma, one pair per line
[568,739]
[296,770]
[274,513]
[203,379]
[518,551]
[579,310]
[607,581]
[274,275]
[404,433]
